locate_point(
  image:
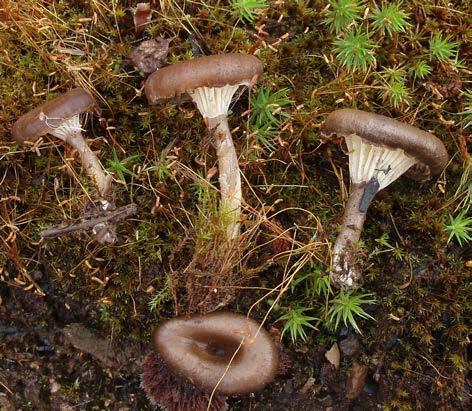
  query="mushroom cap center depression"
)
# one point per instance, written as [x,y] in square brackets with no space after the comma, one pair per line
[214,348]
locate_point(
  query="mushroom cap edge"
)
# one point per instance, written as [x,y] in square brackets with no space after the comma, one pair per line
[29,127]
[217,70]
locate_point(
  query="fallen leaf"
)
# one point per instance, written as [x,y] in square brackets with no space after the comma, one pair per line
[150,54]
[356,380]
[334,356]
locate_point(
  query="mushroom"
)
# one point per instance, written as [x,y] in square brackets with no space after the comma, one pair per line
[380,150]
[211,82]
[60,117]
[226,352]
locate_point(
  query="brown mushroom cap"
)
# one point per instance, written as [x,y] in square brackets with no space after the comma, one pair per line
[31,126]
[209,71]
[200,349]
[427,149]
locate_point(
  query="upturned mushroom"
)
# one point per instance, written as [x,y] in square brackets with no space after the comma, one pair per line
[226,352]
[60,117]
[380,150]
[211,82]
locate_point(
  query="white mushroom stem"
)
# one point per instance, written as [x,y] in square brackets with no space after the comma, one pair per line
[70,132]
[371,168]
[213,104]
[228,175]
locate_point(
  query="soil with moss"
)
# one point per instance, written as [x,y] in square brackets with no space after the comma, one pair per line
[76,317]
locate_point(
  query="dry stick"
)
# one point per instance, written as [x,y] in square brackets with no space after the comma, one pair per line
[113,216]
[6,387]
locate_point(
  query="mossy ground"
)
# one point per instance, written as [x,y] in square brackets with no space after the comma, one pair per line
[418,343]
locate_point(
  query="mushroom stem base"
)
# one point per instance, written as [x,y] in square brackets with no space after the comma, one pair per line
[229,175]
[344,271]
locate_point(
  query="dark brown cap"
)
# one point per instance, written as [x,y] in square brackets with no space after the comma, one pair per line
[32,125]
[200,349]
[209,71]
[427,149]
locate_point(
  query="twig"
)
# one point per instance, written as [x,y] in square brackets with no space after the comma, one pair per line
[113,216]
[6,387]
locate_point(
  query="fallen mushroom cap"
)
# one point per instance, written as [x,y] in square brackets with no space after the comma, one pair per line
[200,349]
[50,115]
[427,149]
[209,71]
